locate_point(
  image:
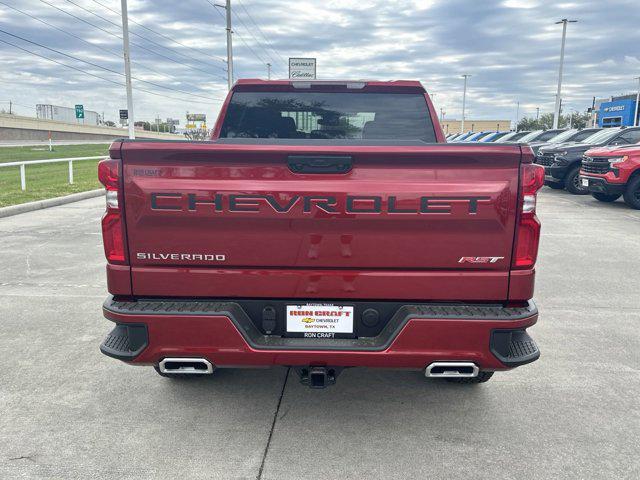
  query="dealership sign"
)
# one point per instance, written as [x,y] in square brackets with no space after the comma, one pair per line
[302,68]
[196,117]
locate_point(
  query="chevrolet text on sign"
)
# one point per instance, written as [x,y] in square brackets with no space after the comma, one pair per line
[302,68]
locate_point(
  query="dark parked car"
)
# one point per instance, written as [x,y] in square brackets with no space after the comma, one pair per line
[537,135]
[513,136]
[493,137]
[562,161]
[566,136]
[454,137]
[477,136]
[464,136]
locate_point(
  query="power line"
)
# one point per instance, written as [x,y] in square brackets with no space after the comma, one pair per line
[249,47]
[102,67]
[112,52]
[16,103]
[137,34]
[97,76]
[255,54]
[254,37]
[99,66]
[162,35]
[261,32]
[135,44]
[215,7]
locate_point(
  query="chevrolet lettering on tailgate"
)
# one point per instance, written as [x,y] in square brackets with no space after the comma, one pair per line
[309,203]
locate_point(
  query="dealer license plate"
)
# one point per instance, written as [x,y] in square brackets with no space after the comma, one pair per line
[320,320]
[585,182]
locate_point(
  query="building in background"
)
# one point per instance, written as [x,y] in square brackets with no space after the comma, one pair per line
[453,126]
[617,112]
[66,114]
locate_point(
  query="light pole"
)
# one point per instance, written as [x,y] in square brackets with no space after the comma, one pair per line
[556,111]
[268,71]
[127,68]
[464,100]
[227,7]
[517,114]
[229,46]
[635,118]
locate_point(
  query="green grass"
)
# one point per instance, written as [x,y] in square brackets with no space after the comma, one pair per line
[18,154]
[48,180]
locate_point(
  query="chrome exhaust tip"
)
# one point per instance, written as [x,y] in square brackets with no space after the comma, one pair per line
[452,370]
[186,365]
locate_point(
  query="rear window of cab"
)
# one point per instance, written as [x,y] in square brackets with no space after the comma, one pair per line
[328,115]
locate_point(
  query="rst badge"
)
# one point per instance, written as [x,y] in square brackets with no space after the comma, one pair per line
[480,259]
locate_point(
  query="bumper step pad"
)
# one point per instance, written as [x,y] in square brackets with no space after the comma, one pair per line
[256,339]
[125,342]
[514,347]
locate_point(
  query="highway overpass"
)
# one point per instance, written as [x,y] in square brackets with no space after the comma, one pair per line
[18,129]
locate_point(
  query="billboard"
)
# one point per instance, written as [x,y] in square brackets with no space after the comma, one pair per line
[196,117]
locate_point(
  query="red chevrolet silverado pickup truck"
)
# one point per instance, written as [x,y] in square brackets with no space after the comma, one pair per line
[611,173]
[325,225]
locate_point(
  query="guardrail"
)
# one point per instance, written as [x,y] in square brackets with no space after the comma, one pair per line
[23,173]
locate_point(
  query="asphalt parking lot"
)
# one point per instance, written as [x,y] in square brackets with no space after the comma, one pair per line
[69,412]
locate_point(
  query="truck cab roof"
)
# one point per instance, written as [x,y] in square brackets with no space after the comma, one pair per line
[391,83]
[333,85]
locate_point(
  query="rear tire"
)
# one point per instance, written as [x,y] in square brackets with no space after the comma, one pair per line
[632,193]
[572,183]
[607,198]
[481,378]
[555,186]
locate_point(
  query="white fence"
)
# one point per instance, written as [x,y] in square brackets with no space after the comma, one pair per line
[23,165]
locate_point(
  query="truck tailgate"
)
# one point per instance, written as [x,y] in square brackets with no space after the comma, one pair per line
[427,222]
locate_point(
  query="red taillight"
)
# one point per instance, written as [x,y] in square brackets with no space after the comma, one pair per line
[532,178]
[528,230]
[112,231]
[527,242]
[112,237]
[109,173]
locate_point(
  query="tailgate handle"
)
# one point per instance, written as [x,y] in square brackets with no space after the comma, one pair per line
[319,163]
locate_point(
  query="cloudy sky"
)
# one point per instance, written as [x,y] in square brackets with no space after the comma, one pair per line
[510,47]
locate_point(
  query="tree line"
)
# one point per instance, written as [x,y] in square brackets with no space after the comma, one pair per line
[545,121]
